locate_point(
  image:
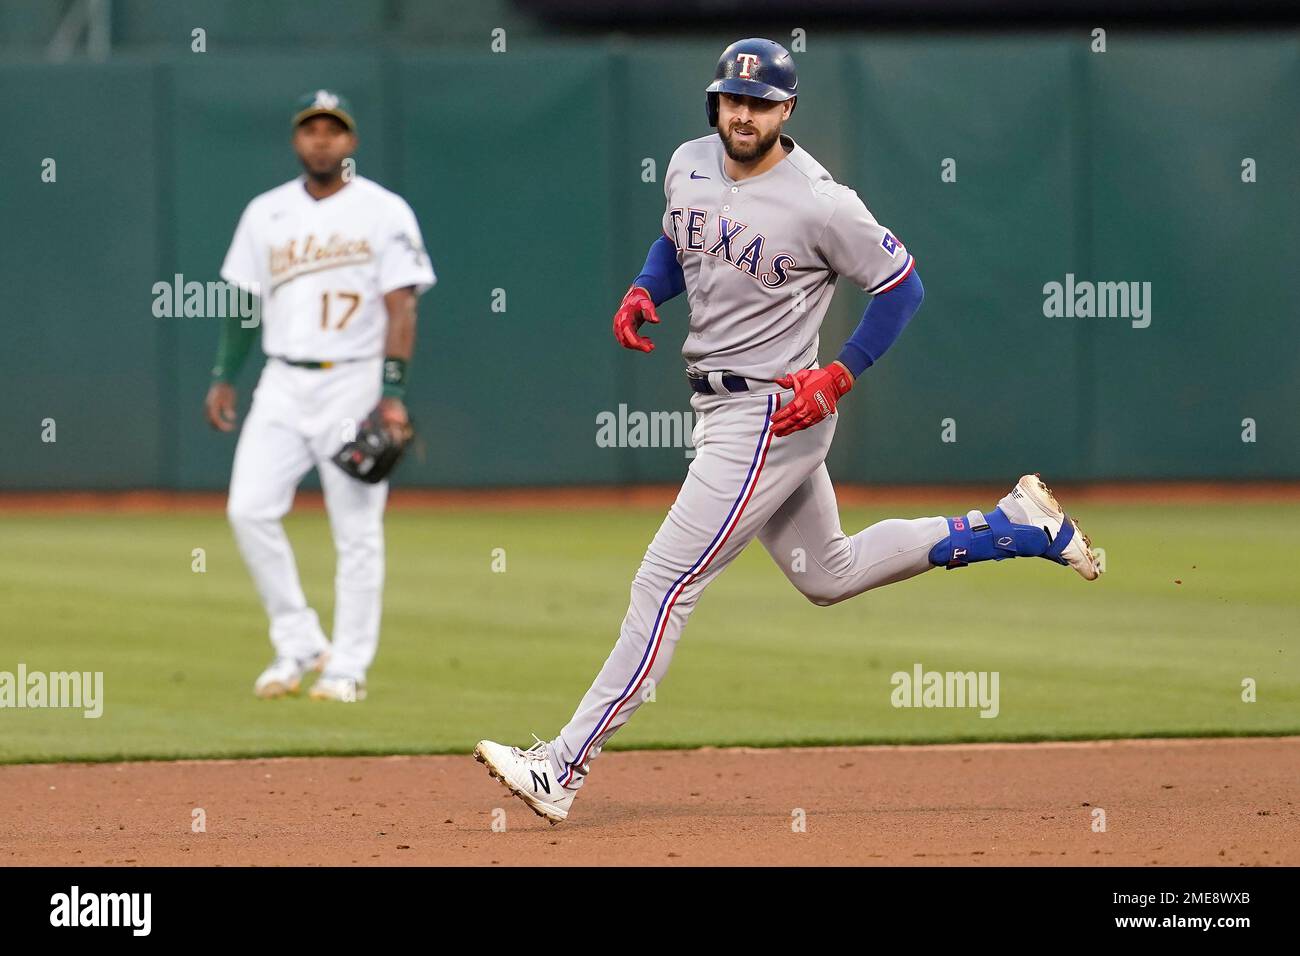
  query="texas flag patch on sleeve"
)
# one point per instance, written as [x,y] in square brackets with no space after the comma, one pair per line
[890,244]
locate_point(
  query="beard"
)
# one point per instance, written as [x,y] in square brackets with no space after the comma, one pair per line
[321,170]
[748,152]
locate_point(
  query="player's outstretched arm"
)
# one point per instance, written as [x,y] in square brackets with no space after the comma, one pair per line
[817,391]
[661,279]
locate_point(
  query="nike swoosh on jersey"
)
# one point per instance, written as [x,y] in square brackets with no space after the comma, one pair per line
[695,175]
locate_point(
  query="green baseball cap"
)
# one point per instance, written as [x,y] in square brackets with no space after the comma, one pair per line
[324,103]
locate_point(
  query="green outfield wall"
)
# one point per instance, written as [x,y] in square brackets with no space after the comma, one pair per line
[1004,162]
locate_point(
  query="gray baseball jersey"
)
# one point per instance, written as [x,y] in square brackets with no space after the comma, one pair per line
[761,256]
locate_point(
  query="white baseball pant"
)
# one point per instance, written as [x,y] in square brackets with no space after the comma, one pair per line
[299,418]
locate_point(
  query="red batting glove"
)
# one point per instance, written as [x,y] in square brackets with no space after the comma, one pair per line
[636,307]
[816,392]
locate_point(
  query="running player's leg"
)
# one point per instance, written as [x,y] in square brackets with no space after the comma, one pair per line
[738,478]
[271,458]
[805,539]
[356,513]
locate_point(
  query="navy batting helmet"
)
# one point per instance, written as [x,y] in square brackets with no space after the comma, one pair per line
[753,67]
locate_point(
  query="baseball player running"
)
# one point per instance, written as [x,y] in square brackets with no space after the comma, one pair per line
[756,233]
[338,263]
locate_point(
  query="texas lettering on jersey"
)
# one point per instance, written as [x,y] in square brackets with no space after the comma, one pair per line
[731,239]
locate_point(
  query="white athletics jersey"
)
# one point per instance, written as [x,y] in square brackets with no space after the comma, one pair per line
[761,256]
[322,267]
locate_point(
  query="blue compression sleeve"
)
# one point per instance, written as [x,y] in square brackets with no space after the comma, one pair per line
[661,275]
[881,324]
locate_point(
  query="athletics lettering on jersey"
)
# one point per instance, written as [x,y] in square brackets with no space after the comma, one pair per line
[292,259]
[745,252]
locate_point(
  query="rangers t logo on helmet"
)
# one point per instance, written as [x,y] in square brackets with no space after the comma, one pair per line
[754,67]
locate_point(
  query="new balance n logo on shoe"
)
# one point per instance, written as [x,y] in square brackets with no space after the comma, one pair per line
[545,783]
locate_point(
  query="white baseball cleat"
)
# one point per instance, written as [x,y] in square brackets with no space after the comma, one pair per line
[1031,502]
[347,690]
[284,676]
[529,776]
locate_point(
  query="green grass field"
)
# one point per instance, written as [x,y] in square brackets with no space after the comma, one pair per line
[469,653]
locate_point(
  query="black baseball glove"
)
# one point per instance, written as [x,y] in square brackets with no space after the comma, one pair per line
[375,451]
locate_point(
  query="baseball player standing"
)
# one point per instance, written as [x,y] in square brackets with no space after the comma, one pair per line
[756,233]
[338,263]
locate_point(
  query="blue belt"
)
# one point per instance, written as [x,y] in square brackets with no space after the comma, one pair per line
[732,383]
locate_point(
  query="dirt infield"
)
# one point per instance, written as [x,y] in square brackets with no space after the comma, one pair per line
[1169,802]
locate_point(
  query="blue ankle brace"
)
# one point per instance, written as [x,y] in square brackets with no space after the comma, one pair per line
[992,537]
